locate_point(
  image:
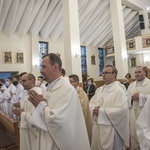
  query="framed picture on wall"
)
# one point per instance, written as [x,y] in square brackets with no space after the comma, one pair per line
[110,49]
[146,41]
[93,60]
[19,58]
[131,44]
[133,62]
[7,57]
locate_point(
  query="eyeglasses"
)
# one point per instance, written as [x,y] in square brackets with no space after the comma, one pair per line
[107,73]
[24,80]
[72,81]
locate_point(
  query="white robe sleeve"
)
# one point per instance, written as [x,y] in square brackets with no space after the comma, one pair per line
[142,100]
[129,101]
[102,118]
[24,120]
[37,118]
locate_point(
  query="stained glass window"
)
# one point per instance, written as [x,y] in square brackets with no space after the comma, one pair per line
[101,60]
[83,61]
[43,50]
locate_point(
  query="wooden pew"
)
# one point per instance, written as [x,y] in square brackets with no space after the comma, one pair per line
[12,126]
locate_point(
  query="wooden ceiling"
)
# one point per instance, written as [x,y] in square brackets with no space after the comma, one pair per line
[45,17]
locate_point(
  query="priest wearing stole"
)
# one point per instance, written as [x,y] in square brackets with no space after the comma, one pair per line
[109,112]
[58,114]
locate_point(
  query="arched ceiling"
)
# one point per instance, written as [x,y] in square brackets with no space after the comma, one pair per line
[45,17]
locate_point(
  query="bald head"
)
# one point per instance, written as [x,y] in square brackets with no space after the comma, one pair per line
[28,81]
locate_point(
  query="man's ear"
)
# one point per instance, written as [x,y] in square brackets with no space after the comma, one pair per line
[56,67]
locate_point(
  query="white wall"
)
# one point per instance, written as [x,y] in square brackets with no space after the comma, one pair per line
[15,44]
[141,54]
[93,70]
[29,45]
[142,59]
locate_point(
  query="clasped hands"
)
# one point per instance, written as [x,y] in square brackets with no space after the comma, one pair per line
[35,98]
[135,97]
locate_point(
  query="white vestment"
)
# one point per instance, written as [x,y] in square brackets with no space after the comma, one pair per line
[122,86]
[111,126]
[135,107]
[18,94]
[6,107]
[29,135]
[60,119]
[43,87]
[2,95]
[143,127]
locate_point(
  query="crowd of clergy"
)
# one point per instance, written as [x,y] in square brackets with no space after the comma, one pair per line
[56,113]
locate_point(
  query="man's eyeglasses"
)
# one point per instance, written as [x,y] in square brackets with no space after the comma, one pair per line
[107,73]
[72,81]
[24,80]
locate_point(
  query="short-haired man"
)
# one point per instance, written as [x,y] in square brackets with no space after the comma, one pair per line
[40,83]
[137,94]
[17,96]
[84,101]
[91,88]
[109,114]
[28,134]
[58,112]
[19,89]
[6,107]
[2,89]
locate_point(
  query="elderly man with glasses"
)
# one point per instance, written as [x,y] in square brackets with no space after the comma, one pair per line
[109,113]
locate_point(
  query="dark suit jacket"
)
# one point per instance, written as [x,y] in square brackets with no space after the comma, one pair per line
[91,90]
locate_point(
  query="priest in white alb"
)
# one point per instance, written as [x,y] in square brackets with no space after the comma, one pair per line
[29,135]
[109,113]
[137,94]
[58,114]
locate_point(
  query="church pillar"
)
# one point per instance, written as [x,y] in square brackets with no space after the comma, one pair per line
[119,38]
[71,37]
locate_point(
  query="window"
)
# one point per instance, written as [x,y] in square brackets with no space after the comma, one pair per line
[43,50]
[83,61]
[101,60]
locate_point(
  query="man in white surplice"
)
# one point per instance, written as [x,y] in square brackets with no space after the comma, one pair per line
[58,112]
[143,127]
[2,89]
[109,113]
[137,94]
[28,133]
[8,94]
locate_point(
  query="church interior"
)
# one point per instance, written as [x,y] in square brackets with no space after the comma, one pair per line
[86,34]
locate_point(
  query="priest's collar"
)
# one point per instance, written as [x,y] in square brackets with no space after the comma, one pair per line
[52,84]
[139,83]
[106,87]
